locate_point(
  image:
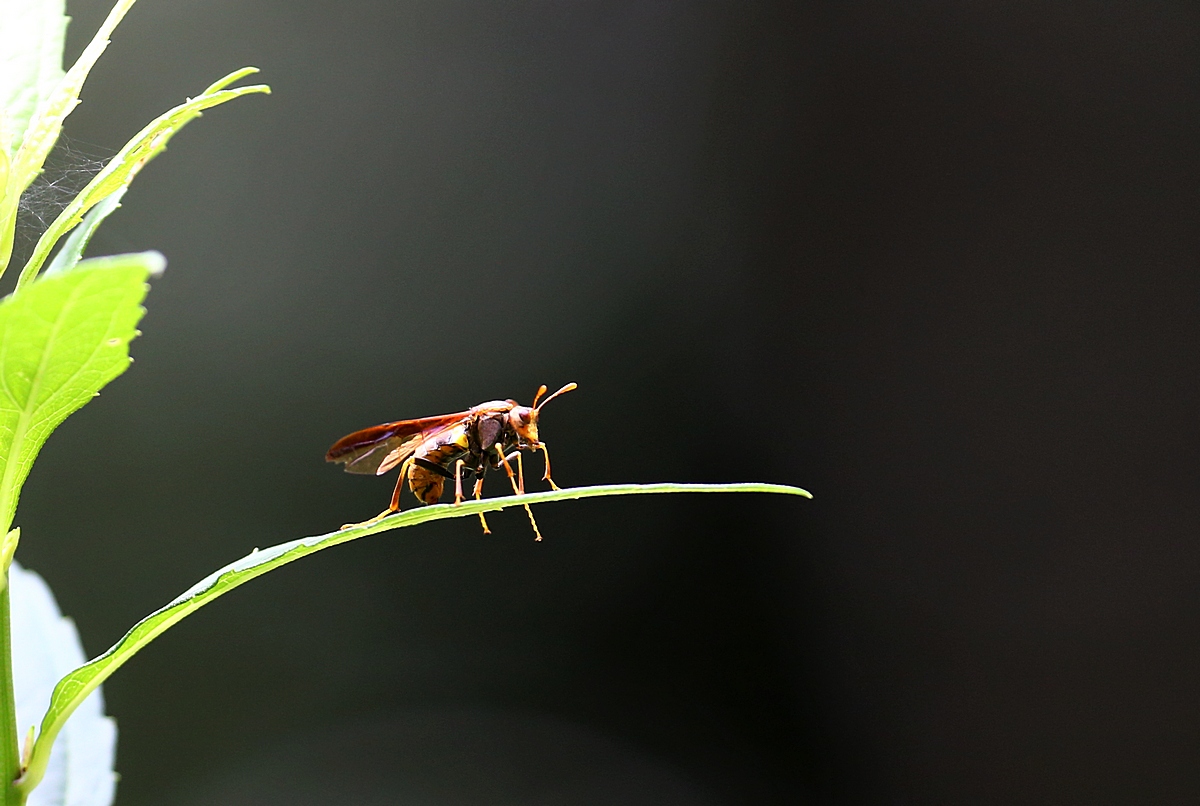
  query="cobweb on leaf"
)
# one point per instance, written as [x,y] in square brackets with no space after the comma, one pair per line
[68,169]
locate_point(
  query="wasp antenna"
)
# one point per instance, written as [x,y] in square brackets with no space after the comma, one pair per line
[562,391]
[541,391]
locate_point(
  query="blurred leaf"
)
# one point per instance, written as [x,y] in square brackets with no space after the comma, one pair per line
[45,647]
[120,170]
[58,102]
[45,125]
[31,52]
[61,340]
[76,686]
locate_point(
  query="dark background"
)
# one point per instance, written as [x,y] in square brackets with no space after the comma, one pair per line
[934,261]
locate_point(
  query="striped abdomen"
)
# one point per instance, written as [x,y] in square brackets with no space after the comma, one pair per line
[443,451]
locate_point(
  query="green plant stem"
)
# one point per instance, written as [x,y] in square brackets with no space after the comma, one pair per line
[10,748]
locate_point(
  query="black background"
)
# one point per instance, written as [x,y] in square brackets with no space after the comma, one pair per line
[934,261]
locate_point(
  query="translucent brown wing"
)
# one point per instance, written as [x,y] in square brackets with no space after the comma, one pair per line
[376,450]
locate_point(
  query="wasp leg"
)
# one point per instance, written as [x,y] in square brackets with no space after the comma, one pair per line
[512,479]
[395,504]
[458,493]
[546,475]
[478,496]
[517,489]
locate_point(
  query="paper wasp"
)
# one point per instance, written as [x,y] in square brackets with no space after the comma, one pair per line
[431,450]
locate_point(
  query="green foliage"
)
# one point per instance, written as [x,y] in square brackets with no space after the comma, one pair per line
[72,249]
[76,686]
[61,340]
[121,169]
[55,101]
[31,46]
[45,96]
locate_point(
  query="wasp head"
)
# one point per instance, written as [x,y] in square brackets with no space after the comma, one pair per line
[524,419]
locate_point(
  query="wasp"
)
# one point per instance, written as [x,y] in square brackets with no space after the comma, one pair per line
[433,450]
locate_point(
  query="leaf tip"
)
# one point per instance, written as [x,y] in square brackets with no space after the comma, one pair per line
[156,263]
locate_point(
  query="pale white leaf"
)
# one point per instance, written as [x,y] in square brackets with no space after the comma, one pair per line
[45,647]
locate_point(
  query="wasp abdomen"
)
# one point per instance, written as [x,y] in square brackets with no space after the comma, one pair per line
[427,484]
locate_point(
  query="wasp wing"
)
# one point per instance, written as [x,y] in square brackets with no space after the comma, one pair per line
[370,459]
[398,455]
[376,450]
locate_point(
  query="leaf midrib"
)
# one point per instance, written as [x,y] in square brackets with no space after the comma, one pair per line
[10,467]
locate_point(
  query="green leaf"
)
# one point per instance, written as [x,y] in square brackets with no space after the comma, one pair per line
[119,172]
[61,340]
[31,53]
[61,99]
[76,686]
[72,251]
[45,126]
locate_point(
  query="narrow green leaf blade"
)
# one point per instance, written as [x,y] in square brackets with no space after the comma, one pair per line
[72,249]
[61,340]
[31,52]
[76,686]
[121,169]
